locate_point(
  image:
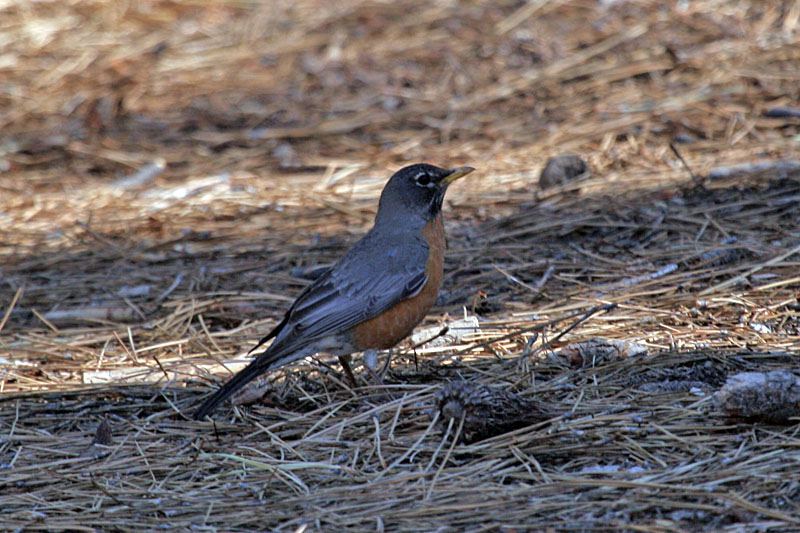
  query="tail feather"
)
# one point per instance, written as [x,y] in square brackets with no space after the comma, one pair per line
[245,376]
[264,362]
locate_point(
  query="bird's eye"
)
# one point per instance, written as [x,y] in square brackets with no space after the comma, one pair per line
[423,180]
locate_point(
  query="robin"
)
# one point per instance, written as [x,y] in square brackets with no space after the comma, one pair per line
[376,293]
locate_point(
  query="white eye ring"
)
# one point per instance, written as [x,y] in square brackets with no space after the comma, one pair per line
[429,183]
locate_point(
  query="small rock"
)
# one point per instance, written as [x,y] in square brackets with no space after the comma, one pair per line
[594,352]
[486,411]
[134,292]
[669,385]
[782,112]
[286,155]
[100,443]
[772,396]
[563,169]
[684,138]
[103,434]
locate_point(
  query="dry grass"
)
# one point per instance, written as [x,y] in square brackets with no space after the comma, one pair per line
[166,167]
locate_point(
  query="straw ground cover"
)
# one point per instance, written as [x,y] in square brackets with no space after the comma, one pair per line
[172,172]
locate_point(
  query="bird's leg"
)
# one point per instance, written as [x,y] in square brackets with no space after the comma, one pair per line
[371,363]
[385,367]
[371,359]
[344,360]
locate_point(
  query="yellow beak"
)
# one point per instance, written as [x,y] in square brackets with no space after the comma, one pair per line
[457,173]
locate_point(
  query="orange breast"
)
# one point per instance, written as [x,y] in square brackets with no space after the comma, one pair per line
[389,328]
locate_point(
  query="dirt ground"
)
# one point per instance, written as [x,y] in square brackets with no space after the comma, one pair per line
[172,172]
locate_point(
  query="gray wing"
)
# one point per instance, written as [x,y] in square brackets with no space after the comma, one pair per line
[359,287]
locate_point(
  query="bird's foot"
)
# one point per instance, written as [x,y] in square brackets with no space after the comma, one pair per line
[344,360]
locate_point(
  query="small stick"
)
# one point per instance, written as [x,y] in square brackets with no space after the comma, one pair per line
[447,455]
[43,319]
[584,318]
[413,349]
[685,164]
[171,288]
[516,280]
[782,166]
[545,277]
[753,270]
[537,327]
[442,333]
[10,308]
[663,271]
[161,367]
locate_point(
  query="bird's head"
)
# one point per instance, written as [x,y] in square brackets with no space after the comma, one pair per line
[417,190]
